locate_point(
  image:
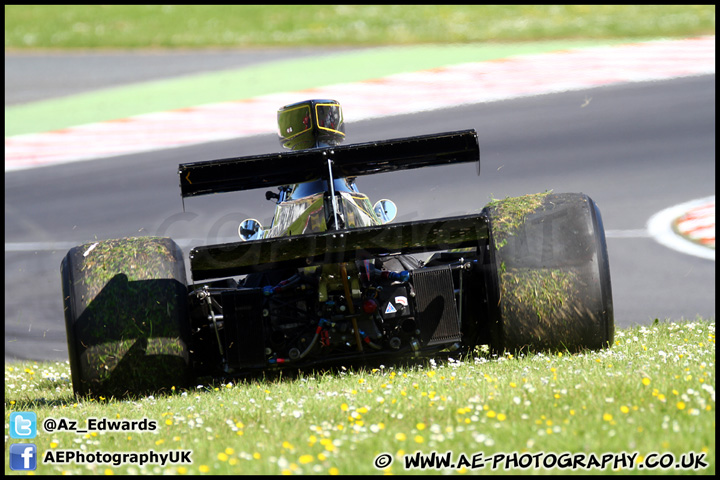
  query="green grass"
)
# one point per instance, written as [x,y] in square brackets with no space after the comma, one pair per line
[652,392]
[197,26]
[414,38]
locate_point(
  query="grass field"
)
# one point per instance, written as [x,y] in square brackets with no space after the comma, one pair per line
[200,26]
[652,393]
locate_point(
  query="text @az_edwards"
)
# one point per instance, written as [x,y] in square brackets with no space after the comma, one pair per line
[93,424]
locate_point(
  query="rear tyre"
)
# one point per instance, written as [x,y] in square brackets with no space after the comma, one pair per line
[126,316]
[548,278]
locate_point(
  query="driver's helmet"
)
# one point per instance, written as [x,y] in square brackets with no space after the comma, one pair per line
[311,124]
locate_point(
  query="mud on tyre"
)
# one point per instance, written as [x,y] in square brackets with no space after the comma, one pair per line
[125,316]
[548,276]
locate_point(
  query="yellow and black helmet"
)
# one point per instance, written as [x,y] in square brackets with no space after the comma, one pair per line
[311,124]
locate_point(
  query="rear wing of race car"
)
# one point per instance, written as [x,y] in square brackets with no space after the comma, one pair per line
[338,246]
[244,173]
[275,169]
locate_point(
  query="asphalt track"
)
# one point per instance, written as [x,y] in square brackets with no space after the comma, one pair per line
[635,149]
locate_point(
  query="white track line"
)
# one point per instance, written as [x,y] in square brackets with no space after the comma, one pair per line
[660,227]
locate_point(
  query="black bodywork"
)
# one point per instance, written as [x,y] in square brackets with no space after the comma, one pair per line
[342,295]
[333,281]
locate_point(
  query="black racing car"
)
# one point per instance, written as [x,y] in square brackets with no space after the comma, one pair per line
[332,281]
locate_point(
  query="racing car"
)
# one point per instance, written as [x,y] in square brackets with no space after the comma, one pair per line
[332,280]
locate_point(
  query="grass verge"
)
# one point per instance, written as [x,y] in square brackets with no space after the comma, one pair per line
[199,26]
[651,394]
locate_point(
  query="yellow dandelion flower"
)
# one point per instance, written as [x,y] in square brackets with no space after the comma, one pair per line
[491,413]
[222,456]
[168,421]
[419,439]
[680,405]
[306,459]
[624,409]
[344,407]
[607,417]
[501,417]
[182,470]
[108,471]
[53,444]
[334,471]
[257,456]
[646,381]
[204,468]
[420,426]
[400,436]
